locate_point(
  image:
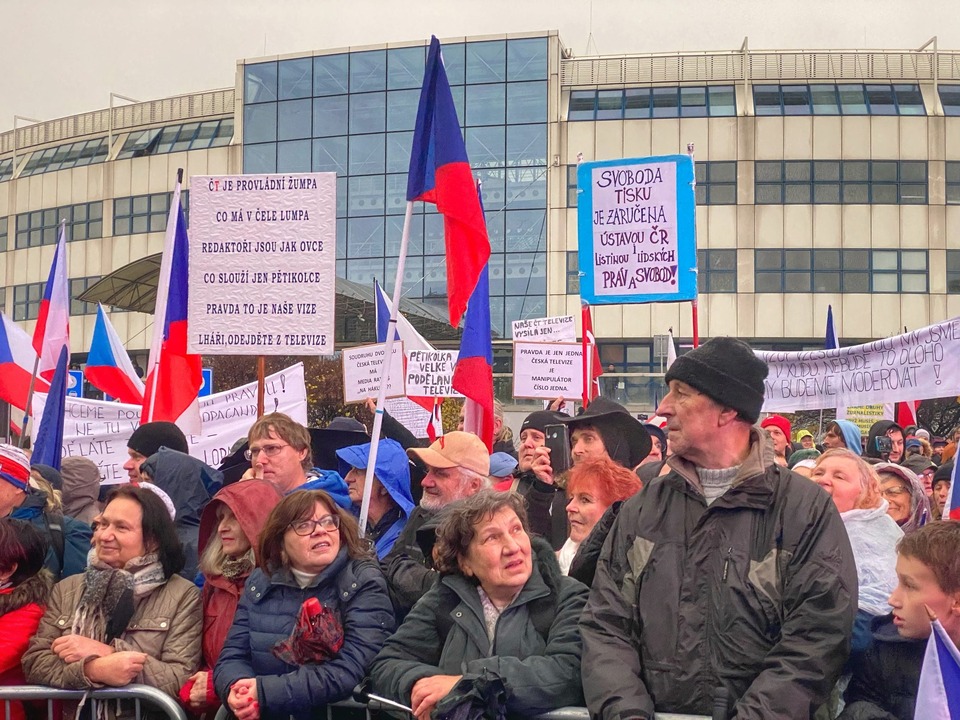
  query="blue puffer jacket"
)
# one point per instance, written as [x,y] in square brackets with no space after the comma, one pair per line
[267,614]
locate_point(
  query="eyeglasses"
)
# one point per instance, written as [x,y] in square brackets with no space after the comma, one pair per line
[328,523]
[268,450]
[893,492]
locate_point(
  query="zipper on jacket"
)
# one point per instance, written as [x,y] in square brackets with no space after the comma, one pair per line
[726,563]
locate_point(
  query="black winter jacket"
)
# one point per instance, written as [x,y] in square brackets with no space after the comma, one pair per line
[408,567]
[755,594]
[267,614]
[885,675]
[546,508]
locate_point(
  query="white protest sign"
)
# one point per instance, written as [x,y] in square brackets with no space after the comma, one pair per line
[412,416]
[362,367]
[430,373]
[636,229]
[550,329]
[262,264]
[917,365]
[547,370]
[100,430]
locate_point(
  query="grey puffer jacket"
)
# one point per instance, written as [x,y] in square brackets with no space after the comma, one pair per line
[539,674]
[756,594]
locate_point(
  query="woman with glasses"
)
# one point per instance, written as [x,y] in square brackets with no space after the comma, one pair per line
[907,501]
[310,549]
[855,488]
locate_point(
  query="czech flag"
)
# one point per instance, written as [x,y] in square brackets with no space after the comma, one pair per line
[938,694]
[108,366]
[17,360]
[440,173]
[174,377]
[53,322]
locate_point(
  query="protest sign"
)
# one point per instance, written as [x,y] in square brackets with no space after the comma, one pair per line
[409,414]
[550,329]
[100,430]
[362,367]
[636,228]
[863,416]
[262,264]
[917,365]
[547,370]
[430,373]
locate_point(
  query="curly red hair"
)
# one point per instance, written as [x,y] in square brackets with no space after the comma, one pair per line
[604,479]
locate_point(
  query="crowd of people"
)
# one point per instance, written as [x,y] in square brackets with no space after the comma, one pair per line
[705,559]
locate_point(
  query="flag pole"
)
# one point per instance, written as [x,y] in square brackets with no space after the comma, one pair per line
[385,371]
[261,378]
[694,310]
[26,412]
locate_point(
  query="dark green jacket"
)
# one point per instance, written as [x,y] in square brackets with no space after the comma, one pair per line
[755,594]
[539,675]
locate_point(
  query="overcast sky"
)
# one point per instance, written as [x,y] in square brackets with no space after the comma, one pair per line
[62,57]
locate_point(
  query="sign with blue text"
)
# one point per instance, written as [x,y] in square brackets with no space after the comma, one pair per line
[262,264]
[636,228]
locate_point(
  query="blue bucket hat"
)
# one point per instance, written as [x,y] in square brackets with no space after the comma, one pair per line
[392,470]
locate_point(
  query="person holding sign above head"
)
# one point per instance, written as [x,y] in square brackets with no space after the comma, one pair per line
[727,581]
[458,466]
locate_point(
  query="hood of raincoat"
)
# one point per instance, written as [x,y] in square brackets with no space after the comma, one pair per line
[250,501]
[81,486]
[919,504]
[188,481]
[331,483]
[392,469]
[851,436]
[873,537]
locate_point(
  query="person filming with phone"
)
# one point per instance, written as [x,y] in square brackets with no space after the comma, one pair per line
[884,443]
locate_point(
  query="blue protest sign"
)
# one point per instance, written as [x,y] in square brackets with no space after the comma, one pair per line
[636,228]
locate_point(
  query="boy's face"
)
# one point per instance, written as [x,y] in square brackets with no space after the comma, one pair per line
[916,591]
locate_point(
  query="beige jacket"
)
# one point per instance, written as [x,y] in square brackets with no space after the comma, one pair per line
[166,625]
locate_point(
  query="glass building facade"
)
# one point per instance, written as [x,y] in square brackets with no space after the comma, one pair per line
[353,113]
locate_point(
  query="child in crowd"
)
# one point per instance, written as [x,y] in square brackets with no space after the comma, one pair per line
[886,675]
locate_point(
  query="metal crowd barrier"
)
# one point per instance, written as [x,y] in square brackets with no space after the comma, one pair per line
[150,696]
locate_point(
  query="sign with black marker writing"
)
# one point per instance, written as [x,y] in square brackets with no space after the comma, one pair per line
[362,369]
[562,328]
[547,370]
[430,373]
[262,264]
[917,365]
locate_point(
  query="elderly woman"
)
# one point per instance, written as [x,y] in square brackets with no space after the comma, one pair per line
[907,501]
[595,490]
[24,588]
[310,549]
[229,529]
[855,489]
[129,618]
[501,610]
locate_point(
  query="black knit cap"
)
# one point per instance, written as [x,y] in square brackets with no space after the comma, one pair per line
[150,437]
[539,420]
[728,371]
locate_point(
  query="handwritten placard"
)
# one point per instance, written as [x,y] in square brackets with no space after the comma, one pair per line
[262,264]
[636,227]
[917,365]
[430,373]
[362,369]
[547,370]
[562,328]
[100,430]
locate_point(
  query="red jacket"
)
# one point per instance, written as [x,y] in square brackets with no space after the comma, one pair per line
[251,501]
[21,609]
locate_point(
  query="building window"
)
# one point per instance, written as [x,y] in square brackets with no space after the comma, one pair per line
[84,152]
[655,102]
[840,99]
[573,273]
[177,138]
[716,183]
[950,99]
[6,169]
[953,271]
[3,236]
[840,271]
[840,182]
[145,213]
[717,271]
[572,185]
[26,301]
[953,182]
[77,287]
[41,227]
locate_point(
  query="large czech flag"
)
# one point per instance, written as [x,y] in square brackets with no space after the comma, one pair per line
[108,366]
[52,332]
[17,360]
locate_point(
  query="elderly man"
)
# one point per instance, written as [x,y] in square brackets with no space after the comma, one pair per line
[728,579]
[457,467]
[147,439]
[607,430]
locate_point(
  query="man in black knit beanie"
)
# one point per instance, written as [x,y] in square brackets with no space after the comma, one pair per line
[728,580]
